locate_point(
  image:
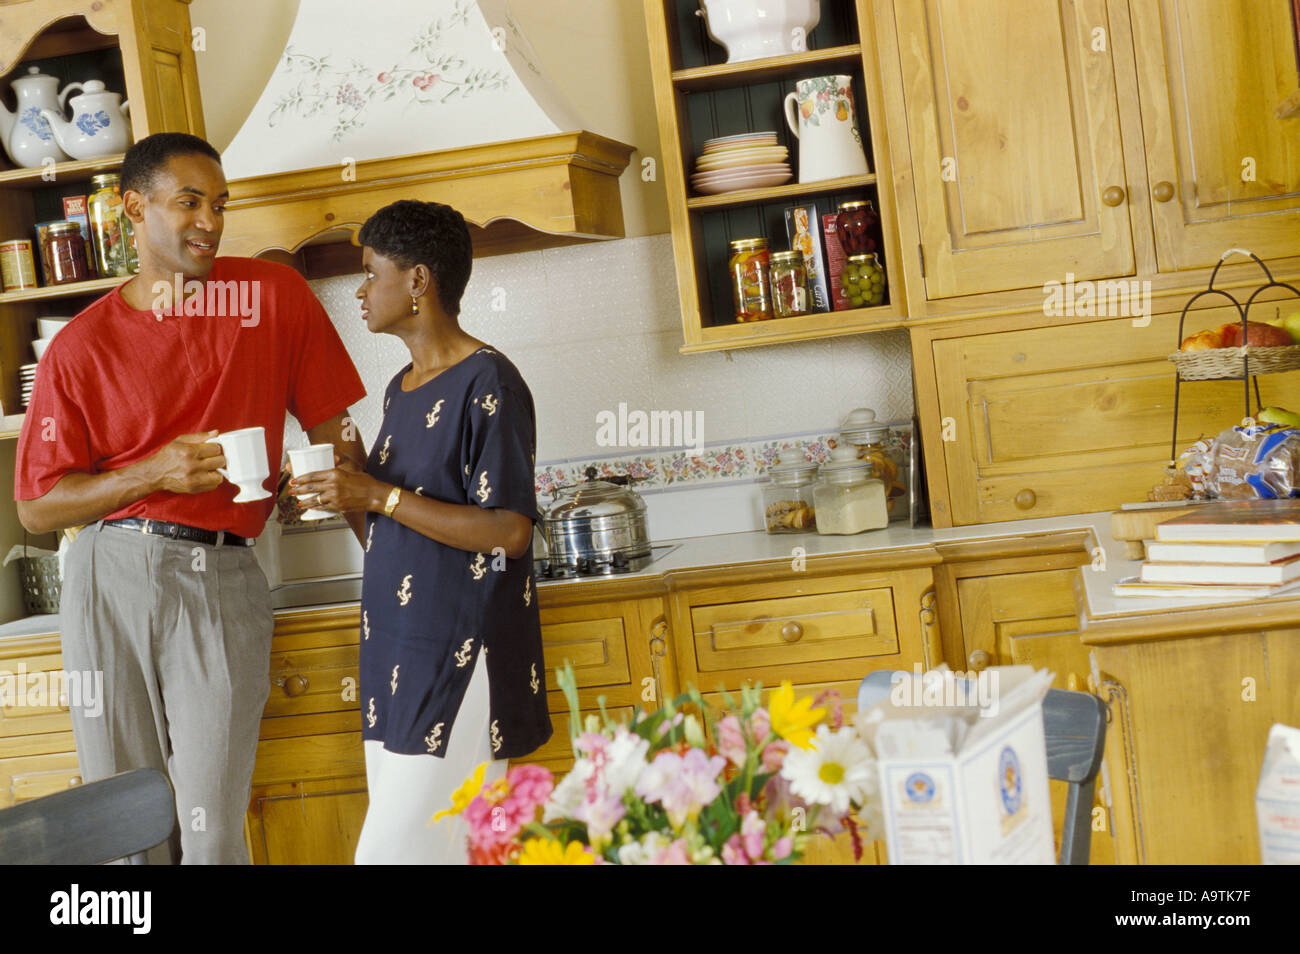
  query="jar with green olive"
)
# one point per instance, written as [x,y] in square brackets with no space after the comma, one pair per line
[863,281]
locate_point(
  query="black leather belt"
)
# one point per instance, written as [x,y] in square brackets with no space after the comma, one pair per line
[181,531]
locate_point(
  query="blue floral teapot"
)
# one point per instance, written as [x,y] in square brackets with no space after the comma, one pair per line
[26,136]
[99,126]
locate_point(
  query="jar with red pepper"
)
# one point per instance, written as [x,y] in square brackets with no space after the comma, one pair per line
[750,288]
[789,284]
[856,227]
[65,250]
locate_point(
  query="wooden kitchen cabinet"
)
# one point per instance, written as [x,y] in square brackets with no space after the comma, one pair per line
[1076,418]
[1014,130]
[38,755]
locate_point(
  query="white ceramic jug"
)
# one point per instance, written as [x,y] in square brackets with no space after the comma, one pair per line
[27,136]
[98,127]
[751,29]
[830,145]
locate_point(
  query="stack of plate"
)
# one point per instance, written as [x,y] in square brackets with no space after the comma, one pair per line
[747,161]
[27,374]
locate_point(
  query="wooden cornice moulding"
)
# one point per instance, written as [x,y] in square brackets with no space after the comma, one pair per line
[562,187]
[22,25]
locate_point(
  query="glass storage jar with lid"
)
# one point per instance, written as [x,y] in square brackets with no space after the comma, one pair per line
[789,284]
[750,290]
[847,497]
[861,431]
[65,254]
[788,505]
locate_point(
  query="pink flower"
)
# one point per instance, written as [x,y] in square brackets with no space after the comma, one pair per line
[760,723]
[782,848]
[384,77]
[601,814]
[733,852]
[682,784]
[752,831]
[774,755]
[674,854]
[731,741]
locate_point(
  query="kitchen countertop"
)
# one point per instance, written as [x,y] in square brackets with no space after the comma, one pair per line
[738,549]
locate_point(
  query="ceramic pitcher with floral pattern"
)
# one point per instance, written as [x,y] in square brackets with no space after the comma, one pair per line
[830,144]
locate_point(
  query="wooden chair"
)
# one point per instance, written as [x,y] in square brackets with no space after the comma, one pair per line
[91,824]
[1074,727]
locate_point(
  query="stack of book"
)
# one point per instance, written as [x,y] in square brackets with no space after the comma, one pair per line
[1231,550]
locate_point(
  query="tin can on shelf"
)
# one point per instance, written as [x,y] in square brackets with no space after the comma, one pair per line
[17,266]
[789,284]
[750,291]
[65,250]
[114,238]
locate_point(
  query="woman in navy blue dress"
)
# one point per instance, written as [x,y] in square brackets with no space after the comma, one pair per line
[451,651]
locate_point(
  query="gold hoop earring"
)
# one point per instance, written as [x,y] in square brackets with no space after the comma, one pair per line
[415,305]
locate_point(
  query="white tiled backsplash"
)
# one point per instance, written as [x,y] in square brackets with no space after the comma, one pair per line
[593,326]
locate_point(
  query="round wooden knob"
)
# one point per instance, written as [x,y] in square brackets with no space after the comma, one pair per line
[74,780]
[1163,191]
[1026,499]
[1072,682]
[979,660]
[1113,196]
[792,632]
[295,685]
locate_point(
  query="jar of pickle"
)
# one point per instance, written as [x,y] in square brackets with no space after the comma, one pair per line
[856,226]
[861,432]
[750,289]
[114,236]
[65,250]
[789,284]
[863,281]
[849,499]
[788,497]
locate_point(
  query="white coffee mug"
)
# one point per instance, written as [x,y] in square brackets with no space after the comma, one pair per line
[245,451]
[309,460]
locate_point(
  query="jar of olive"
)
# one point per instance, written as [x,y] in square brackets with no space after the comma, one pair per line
[750,288]
[863,281]
[789,284]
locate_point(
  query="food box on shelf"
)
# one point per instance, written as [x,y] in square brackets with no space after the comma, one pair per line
[801,229]
[834,261]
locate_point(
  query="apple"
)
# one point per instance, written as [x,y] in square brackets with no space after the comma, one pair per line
[1278,415]
[1258,335]
[1292,324]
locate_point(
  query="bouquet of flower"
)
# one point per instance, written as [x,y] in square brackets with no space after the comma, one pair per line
[658,791]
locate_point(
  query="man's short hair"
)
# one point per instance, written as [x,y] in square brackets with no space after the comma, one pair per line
[414,233]
[146,158]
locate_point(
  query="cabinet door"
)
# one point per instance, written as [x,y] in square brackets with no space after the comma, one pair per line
[1030,619]
[1015,136]
[1224,171]
[305,823]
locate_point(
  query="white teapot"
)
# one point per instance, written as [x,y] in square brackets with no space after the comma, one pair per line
[99,126]
[26,136]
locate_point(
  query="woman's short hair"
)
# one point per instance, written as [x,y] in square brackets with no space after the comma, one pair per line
[414,233]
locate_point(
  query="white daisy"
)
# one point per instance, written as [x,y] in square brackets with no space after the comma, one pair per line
[837,770]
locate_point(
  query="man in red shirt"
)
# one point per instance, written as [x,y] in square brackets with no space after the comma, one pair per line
[162,592]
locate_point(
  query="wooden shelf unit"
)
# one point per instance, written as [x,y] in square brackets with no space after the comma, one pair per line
[699,96]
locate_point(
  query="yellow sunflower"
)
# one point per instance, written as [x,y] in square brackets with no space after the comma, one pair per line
[793,720]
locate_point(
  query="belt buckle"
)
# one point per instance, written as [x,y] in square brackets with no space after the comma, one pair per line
[145,528]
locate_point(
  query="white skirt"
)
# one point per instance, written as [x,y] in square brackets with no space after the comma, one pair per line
[406,791]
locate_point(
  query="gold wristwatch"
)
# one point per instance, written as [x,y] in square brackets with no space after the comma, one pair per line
[391,503]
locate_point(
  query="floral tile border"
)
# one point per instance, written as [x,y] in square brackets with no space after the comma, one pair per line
[731,461]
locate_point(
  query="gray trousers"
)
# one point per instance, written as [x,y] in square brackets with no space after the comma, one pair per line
[182,634]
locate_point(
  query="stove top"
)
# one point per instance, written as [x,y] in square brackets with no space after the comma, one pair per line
[595,566]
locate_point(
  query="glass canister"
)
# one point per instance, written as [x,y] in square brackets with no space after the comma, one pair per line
[856,226]
[863,281]
[788,505]
[114,236]
[849,499]
[789,284]
[750,289]
[860,431]
[65,250]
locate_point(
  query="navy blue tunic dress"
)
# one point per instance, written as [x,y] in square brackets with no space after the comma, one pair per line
[468,436]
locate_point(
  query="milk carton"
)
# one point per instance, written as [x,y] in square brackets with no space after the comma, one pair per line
[963,767]
[1277,799]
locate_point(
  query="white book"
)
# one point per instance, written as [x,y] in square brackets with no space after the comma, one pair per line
[1132,586]
[1272,574]
[1248,554]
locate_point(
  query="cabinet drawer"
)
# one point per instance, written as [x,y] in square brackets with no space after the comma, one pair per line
[794,629]
[32,776]
[312,680]
[34,695]
[597,649]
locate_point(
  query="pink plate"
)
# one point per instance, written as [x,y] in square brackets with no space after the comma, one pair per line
[755,181]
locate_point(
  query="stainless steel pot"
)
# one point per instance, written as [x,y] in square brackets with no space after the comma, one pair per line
[596,522]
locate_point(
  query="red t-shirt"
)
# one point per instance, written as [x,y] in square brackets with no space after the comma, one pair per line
[117,384]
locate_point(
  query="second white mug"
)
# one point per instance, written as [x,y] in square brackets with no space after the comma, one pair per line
[309,460]
[246,466]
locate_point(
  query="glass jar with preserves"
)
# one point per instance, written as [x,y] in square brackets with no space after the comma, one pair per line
[788,505]
[65,250]
[863,281]
[113,234]
[849,499]
[789,284]
[750,290]
[856,226]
